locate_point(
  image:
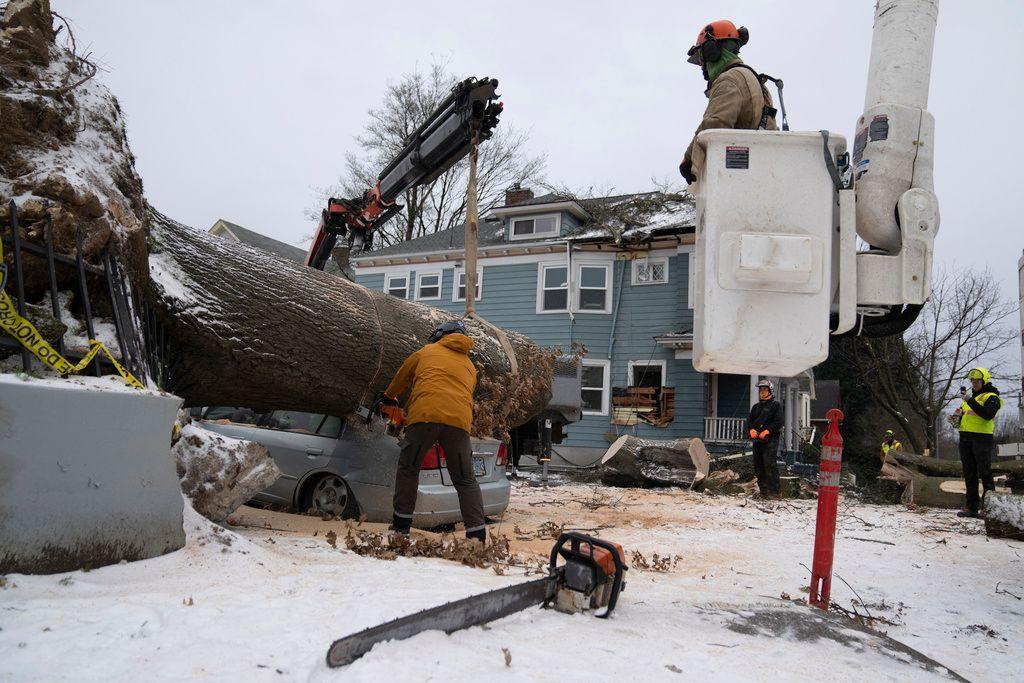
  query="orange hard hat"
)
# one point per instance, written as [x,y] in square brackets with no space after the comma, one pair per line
[723,29]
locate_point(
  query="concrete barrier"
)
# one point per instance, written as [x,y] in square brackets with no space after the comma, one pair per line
[86,474]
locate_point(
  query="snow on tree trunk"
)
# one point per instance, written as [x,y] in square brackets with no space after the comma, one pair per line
[218,473]
[248,328]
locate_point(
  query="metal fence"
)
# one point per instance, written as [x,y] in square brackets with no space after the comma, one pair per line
[143,351]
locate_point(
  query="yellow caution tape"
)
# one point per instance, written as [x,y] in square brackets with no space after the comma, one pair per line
[26,333]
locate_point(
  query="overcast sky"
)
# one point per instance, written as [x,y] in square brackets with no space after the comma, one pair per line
[238,110]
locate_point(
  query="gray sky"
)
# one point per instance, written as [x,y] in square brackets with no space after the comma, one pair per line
[237,110]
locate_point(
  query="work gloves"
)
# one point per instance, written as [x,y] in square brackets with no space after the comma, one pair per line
[686,170]
[759,436]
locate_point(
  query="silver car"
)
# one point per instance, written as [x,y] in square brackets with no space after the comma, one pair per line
[347,467]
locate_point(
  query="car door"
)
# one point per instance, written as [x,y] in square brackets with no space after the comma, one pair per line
[291,438]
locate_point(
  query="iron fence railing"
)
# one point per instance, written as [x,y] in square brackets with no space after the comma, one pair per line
[143,351]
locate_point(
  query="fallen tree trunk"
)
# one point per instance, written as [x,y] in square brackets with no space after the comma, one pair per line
[952,468]
[635,462]
[248,328]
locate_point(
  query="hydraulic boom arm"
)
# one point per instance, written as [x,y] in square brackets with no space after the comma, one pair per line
[437,145]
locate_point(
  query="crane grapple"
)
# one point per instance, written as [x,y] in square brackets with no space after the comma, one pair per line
[469,111]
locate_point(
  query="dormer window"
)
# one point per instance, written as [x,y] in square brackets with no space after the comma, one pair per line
[535,226]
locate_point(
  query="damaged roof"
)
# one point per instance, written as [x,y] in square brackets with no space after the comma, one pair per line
[618,219]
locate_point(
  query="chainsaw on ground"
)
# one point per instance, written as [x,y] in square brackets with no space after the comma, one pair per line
[469,114]
[590,578]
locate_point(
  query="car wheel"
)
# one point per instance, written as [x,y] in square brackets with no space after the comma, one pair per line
[331,495]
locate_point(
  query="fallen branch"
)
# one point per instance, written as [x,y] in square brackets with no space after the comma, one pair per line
[1006,592]
[870,540]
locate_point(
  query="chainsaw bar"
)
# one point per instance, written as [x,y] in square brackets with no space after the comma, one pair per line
[449,617]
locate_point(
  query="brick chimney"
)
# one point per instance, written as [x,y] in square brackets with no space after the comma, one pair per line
[517,195]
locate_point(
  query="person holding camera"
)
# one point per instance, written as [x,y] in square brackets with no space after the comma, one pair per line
[977,425]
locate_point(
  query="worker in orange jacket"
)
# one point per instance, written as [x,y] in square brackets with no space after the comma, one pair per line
[440,378]
[764,426]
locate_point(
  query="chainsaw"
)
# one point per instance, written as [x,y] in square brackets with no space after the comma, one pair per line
[590,578]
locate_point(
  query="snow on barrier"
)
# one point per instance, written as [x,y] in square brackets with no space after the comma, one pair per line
[86,474]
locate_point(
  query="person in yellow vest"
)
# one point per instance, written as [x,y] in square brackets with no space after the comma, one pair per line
[889,443]
[977,426]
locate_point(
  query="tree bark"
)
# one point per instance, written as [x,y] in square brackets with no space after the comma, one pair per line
[247,328]
[635,462]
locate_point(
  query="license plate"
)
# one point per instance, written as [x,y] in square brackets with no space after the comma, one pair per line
[479,469]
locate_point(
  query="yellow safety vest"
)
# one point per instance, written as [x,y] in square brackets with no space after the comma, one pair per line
[971,422]
[886,447]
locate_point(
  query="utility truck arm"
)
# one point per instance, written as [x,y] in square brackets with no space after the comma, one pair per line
[777,267]
[441,142]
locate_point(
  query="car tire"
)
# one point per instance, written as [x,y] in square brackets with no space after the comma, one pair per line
[329,494]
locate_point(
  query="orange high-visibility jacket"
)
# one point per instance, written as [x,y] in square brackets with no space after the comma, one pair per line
[442,379]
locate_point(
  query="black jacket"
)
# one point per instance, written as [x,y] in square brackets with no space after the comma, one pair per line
[766,415]
[987,410]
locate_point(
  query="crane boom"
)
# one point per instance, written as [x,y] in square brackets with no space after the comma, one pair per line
[433,148]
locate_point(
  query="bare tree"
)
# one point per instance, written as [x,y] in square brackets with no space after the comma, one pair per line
[912,377]
[503,161]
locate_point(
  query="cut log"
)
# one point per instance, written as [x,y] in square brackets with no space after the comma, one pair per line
[1004,515]
[952,468]
[635,462]
[248,328]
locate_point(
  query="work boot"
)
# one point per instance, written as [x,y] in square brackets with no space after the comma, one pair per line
[969,513]
[400,525]
[477,535]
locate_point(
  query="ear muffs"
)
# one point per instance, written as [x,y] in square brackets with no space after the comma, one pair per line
[711,51]
[744,35]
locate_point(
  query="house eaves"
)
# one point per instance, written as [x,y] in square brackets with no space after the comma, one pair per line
[523,209]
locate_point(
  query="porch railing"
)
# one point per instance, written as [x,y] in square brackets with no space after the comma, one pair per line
[725,429]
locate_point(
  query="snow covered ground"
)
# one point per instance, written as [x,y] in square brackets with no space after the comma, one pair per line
[262,604]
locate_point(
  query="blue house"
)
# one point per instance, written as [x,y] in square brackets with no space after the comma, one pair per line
[611,275]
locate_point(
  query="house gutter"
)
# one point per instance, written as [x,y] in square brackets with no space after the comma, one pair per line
[568,284]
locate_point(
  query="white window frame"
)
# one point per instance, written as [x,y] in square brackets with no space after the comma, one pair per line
[461,272]
[575,294]
[651,262]
[512,236]
[541,269]
[396,276]
[649,363]
[419,284]
[606,389]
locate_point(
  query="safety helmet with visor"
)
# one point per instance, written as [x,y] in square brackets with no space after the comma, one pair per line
[766,384]
[715,36]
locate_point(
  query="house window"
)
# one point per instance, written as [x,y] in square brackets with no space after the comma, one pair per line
[397,285]
[595,386]
[651,271]
[525,228]
[460,285]
[554,294]
[649,374]
[428,286]
[593,288]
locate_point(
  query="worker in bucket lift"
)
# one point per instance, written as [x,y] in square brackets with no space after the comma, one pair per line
[441,380]
[736,96]
[977,416]
[765,425]
[889,443]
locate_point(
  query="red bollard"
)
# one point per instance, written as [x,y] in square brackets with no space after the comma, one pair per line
[828,502]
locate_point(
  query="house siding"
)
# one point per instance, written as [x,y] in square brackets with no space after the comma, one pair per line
[509,300]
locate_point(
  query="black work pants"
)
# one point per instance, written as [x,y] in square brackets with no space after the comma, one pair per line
[976,457]
[458,453]
[765,466]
